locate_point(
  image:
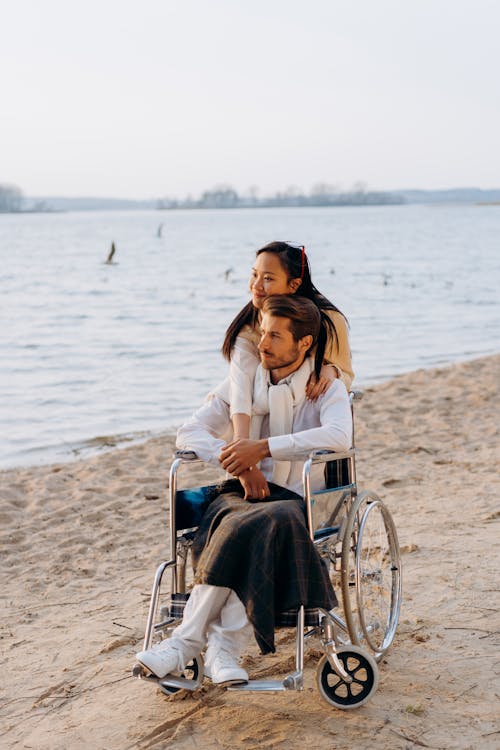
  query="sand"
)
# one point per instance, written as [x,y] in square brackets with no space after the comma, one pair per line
[81,541]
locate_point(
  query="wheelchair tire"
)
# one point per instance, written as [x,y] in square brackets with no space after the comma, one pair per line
[361,666]
[193,671]
[371,574]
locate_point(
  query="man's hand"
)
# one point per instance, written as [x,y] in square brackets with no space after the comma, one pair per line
[255,485]
[241,454]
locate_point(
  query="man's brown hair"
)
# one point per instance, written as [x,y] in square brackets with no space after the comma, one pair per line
[303,314]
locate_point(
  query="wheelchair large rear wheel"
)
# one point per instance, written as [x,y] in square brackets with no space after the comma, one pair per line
[371,574]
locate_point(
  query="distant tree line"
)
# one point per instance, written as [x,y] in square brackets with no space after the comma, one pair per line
[322,194]
[11,198]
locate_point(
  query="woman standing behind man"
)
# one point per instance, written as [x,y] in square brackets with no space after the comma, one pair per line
[281,268]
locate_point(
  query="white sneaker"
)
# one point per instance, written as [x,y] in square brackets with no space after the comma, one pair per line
[222,668]
[161,659]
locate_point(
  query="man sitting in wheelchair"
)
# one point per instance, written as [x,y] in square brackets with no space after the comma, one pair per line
[252,553]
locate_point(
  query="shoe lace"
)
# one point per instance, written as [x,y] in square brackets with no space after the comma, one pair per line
[164,646]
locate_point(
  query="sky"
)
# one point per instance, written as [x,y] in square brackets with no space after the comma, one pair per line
[168,98]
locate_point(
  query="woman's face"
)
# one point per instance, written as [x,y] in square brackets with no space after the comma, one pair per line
[268,278]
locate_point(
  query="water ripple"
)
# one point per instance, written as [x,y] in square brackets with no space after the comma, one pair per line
[88,349]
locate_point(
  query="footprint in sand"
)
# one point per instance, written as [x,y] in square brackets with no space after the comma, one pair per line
[402,482]
[492,516]
[408,548]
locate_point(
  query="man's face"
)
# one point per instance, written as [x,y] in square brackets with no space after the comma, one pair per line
[278,349]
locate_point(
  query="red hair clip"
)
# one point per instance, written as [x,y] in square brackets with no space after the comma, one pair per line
[303,261]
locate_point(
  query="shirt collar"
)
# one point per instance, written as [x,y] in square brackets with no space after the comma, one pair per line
[287,381]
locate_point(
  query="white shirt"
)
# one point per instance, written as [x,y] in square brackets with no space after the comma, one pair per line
[244,362]
[322,424]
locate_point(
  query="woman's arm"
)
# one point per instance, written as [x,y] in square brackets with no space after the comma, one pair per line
[244,362]
[241,425]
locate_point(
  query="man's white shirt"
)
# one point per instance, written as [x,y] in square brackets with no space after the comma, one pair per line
[322,424]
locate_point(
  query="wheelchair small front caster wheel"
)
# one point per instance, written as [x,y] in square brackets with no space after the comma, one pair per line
[194,671]
[360,666]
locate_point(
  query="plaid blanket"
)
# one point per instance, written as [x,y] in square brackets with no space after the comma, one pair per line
[261,550]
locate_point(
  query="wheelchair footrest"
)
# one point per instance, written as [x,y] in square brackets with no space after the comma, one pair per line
[169,681]
[181,683]
[263,686]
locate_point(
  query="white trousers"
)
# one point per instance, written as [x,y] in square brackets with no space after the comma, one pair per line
[213,616]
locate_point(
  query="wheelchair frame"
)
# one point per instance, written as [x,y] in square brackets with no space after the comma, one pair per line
[359,541]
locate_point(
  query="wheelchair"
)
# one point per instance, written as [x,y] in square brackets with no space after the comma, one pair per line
[355,535]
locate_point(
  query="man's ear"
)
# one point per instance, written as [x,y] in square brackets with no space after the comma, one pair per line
[305,343]
[294,284]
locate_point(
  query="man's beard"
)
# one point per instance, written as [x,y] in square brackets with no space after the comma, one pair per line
[280,364]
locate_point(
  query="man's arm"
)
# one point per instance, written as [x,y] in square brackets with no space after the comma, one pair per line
[204,432]
[334,433]
[242,453]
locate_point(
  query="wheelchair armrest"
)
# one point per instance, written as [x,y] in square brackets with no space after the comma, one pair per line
[186,455]
[324,455]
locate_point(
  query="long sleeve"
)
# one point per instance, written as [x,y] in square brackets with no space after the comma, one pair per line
[244,362]
[207,431]
[334,432]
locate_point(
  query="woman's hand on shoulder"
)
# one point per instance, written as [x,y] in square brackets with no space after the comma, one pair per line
[317,386]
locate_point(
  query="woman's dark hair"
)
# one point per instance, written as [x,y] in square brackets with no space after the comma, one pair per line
[296,264]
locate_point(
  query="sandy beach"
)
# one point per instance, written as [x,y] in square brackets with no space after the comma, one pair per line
[80,543]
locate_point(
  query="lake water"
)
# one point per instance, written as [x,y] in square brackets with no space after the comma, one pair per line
[90,350]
